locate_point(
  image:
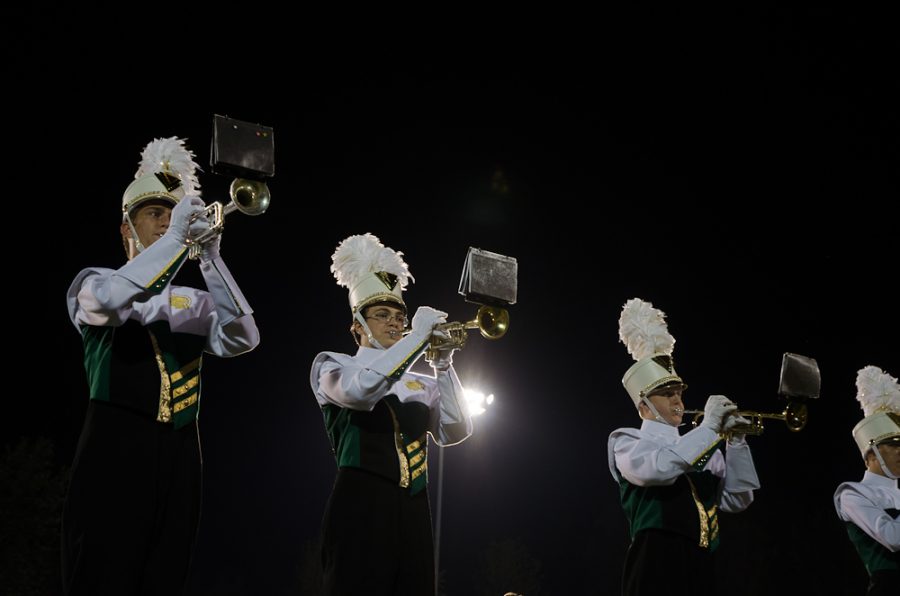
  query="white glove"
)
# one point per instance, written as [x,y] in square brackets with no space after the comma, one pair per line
[180,225]
[444,359]
[716,409]
[209,250]
[731,422]
[440,333]
[426,318]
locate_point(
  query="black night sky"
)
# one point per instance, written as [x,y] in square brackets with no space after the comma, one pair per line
[739,170]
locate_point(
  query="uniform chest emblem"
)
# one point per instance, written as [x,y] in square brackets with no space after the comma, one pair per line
[179,302]
[415,385]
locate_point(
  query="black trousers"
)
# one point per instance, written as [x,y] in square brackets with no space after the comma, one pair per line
[133,506]
[376,538]
[884,583]
[666,563]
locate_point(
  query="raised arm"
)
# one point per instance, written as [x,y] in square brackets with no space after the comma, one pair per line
[740,476]
[232,328]
[451,422]
[648,462]
[104,297]
[344,382]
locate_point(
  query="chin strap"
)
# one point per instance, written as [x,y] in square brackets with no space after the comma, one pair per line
[362,321]
[884,468]
[656,415]
[134,234]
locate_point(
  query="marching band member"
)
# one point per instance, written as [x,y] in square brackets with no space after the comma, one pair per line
[672,486]
[376,535]
[133,503]
[871,507]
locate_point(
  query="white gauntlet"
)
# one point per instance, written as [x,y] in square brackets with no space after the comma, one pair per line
[444,359]
[227,296]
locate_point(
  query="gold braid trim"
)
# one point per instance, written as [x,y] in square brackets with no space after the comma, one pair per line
[398,445]
[701,511]
[164,414]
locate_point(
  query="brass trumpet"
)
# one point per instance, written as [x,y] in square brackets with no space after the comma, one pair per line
[250,197]
[491,321]
[795,415]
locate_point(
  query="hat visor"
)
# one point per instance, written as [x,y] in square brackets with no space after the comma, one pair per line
[669,385]
[151,199]
[383,300]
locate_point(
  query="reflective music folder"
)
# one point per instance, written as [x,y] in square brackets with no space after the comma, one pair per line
[489,278]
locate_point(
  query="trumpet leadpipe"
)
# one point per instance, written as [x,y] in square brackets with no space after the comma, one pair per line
[794,416]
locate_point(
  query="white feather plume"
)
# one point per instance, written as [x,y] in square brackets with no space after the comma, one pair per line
[361,254]
[643,330]
[877,391]
[169,155]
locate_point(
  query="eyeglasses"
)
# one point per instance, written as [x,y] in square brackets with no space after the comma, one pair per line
[386,317]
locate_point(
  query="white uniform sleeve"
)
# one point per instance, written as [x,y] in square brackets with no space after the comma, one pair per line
[451,422]
[645,462]
[103,297]
[227,296]
[740,478]
[347,384]
[400,356]
[350,385]
[856,507]
[232,328]
[340,380]
[106,297]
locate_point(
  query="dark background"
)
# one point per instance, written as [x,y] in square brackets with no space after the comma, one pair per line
[737,169]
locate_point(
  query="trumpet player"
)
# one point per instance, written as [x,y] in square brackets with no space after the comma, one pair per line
[133,503]
[871,508]
[376,531]
[672,486]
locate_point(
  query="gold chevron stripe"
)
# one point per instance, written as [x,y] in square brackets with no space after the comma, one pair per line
[177,375]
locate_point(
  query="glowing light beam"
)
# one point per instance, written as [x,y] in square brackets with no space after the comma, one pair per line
[477,401]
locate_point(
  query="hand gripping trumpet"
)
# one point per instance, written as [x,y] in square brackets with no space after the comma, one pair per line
[491,321]
[800,381]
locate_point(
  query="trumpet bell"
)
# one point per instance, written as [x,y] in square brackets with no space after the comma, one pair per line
[493,322]
[795,416]
[250,197]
